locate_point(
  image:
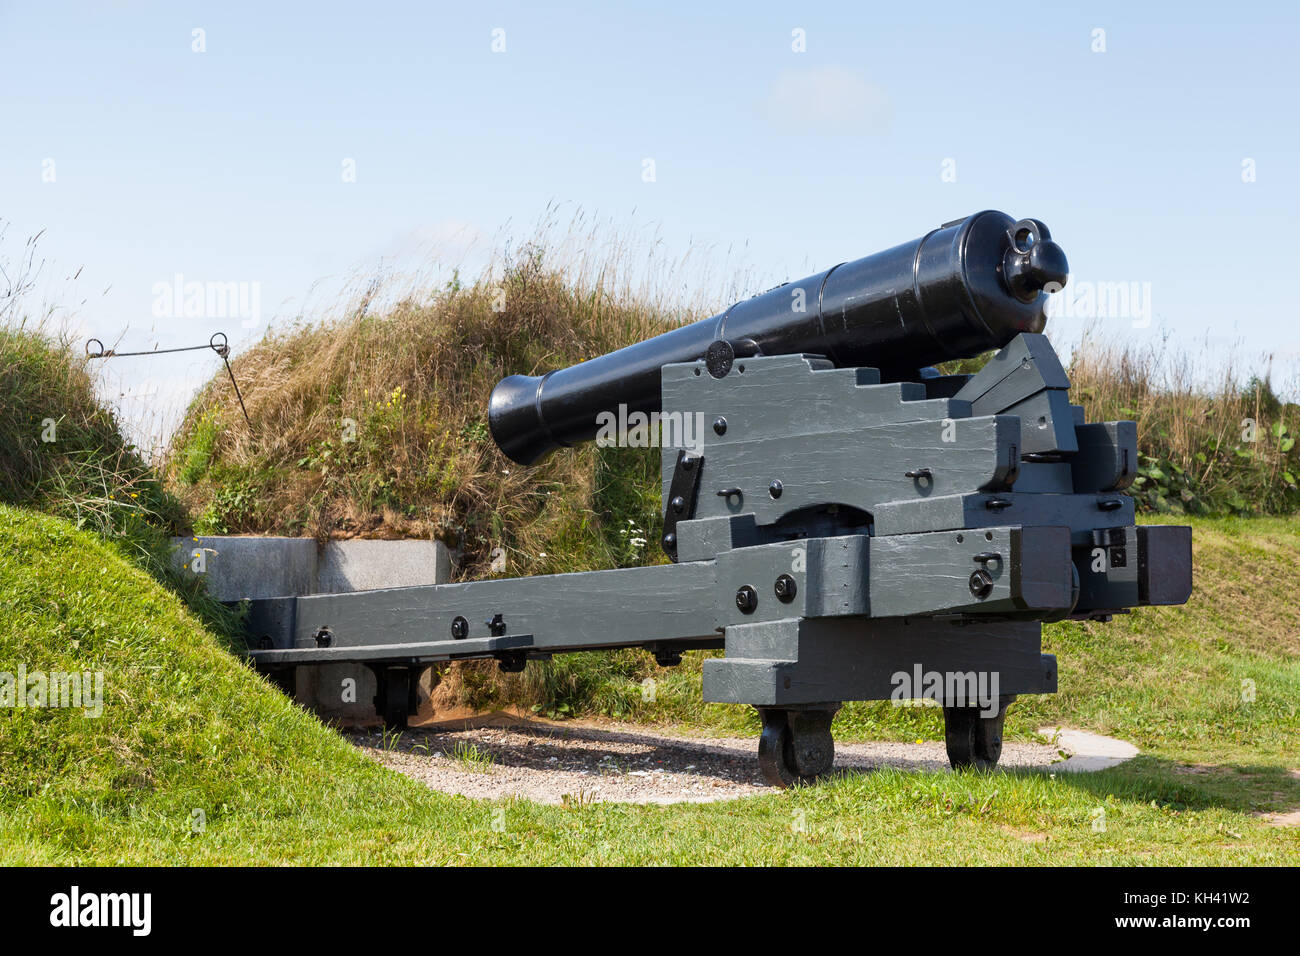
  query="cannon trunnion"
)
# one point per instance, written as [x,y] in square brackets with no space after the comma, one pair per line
[840,532]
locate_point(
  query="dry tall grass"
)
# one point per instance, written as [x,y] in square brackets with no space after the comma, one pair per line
[376,425]
[1225,447]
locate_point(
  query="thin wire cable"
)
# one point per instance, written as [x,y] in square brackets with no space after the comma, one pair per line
[223,350]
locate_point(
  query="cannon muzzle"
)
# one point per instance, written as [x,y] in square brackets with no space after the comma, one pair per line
[960,290]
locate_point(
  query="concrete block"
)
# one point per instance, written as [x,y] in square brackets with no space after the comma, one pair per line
[257,567]
[364,565]
[236,568]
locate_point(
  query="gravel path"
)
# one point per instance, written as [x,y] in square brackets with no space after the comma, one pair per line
[555,763]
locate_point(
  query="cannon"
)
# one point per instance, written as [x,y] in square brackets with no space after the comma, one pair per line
[960,290]
[844,521]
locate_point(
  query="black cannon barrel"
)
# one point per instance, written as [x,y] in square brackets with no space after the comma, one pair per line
[959,290]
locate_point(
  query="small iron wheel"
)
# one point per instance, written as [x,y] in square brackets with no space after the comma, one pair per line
[796,745]
[974,740]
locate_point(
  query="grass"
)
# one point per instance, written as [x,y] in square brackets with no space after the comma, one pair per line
[64,451]
[197,759]
[1226,448]
[471,756]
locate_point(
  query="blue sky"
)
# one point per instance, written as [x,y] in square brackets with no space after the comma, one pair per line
[227,165]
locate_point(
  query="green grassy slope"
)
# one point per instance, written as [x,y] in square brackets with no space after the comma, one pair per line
[186,727]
